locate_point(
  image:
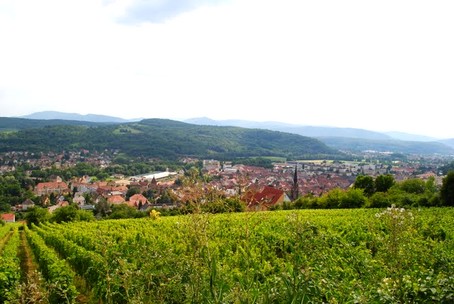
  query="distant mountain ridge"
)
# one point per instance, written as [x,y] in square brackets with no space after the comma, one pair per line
[345,139]
[14,124]
[349,139]
[448,142]
[393,145]
[52,115]
[410,137]
[311,131]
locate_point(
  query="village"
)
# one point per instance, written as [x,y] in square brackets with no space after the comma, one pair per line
[285,182]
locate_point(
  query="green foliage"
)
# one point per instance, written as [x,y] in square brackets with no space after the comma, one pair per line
[380,200]
[224,206]
[169,140]
[70,214]
[384,182]
[366,183]
[446,168]
[413,185]
[310,256]
[124,211]
[447,189]
[338,198]
[10,273]
[37,215]
[64,214]
[131,191]
[308,201]
[58,274]
[14,189]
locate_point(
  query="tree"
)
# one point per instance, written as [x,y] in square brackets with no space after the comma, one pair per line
[353,198]
[132,191]
[125,211]
[65,214]
[384,182]
[379,200]
[413,185]
[102,208]
[447,189]
[37,215]
[366,183]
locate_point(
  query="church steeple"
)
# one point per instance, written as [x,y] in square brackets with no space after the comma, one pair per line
[295,188]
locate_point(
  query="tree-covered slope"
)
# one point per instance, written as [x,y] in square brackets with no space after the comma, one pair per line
[167,139]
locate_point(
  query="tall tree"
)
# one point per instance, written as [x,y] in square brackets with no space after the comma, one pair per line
[447,189]
[384,182]
[366,183]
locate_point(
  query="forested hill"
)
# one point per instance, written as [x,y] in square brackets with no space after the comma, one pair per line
[167,139]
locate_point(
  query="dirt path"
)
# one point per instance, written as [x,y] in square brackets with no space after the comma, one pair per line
[33,286]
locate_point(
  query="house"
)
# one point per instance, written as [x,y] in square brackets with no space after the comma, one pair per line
[60,204]
[137,201]
[265,199]
[51,187]
[8,217]
[28,203]
[115,199]
[84,187]
[79,199]
[110,189]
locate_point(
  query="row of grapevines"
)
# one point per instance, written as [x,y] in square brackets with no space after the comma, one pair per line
[10,269]
[58,274]
[297,256]
[88,264]
[104,269]
[4,229]
[5,234]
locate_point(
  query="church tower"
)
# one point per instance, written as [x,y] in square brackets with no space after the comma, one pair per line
[295,189]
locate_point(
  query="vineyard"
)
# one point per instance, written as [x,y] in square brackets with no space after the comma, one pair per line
[312,256]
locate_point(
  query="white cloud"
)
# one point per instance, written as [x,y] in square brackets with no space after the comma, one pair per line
[376,65]
[157,11]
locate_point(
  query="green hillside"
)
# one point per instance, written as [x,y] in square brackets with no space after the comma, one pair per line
[167,139]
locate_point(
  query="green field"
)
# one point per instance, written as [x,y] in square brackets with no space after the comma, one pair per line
[312,256]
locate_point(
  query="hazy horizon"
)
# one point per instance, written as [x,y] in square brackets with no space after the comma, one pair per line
[226,120]
[379,66]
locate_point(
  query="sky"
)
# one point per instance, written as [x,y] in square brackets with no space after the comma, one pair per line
[379,65]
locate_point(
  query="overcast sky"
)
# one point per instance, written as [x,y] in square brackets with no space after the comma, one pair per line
[378,65]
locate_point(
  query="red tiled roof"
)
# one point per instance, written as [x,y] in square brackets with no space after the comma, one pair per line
[52,185]
[136,199]
[268,196]
[115,199]
[9,217]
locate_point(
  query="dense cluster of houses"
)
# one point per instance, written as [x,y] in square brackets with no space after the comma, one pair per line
[10,160]
[260,188]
